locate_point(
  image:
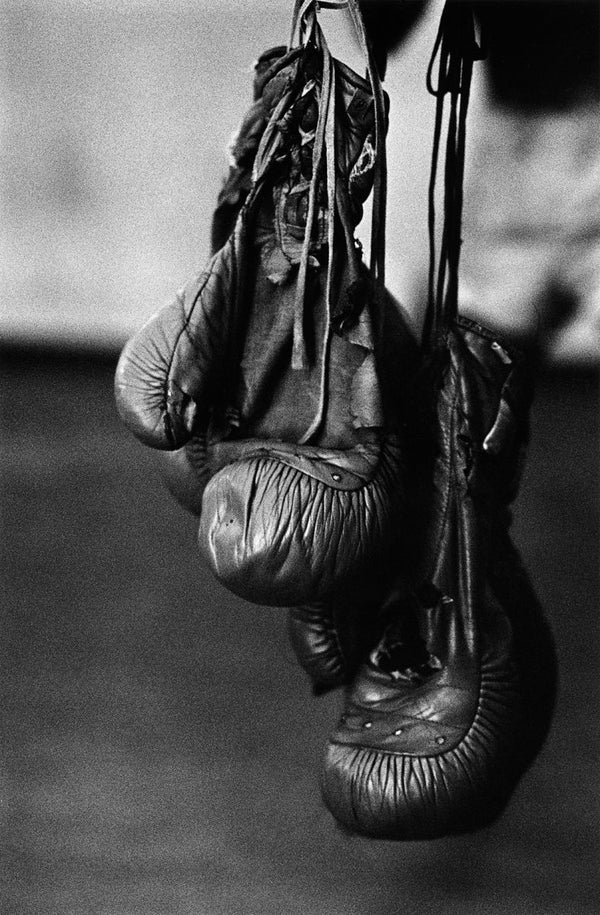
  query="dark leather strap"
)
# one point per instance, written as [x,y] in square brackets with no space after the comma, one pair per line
[455,51]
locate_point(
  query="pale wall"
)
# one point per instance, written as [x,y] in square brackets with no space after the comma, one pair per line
[116,116]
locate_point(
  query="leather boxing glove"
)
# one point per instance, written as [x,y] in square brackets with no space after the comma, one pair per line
[438,725]
[265,369]
[283,527]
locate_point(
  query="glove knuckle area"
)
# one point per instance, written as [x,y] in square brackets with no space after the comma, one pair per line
[425,752]
[139,388]
[275,535]
[168,371]
[315,640]
[150,401]
[436,761]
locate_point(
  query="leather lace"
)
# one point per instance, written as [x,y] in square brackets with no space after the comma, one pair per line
[306,29]
[455,51]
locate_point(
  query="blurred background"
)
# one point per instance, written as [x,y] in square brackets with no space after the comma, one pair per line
[116,121]
[161,749]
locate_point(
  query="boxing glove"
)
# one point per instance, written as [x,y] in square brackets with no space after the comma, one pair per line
[437,726]
[263,375]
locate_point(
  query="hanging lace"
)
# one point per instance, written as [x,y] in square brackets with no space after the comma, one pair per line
[306,30]
[455,49]
[305,19]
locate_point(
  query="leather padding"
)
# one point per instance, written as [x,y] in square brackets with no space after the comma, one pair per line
[330,638]
[172,371]
[276,535]
[435,750]
[435,757]
[270,359]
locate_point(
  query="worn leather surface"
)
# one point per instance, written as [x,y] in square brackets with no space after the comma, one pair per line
[210,377]
[187,470]
[433,733]
[271,387]
[332,638]
[275,534]
[243,148]
[173,371]
[225,342]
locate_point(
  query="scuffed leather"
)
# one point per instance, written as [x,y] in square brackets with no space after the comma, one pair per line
[270,388]
[270,456]
[181,365]
[437,746]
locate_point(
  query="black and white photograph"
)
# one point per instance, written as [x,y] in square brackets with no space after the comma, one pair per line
[300,462]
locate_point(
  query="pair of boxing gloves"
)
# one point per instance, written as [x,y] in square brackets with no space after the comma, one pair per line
[437,629]
[374,506]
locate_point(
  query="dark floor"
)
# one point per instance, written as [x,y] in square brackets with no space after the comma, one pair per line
[161,748]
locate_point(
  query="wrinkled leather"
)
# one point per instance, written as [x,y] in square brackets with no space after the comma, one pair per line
[434,743]
[171,374]
[275,534]
[279,420]
[243,148]
[185,362]
[210,377]
[331,638]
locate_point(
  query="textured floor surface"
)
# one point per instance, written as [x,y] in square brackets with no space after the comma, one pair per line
[161,748]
